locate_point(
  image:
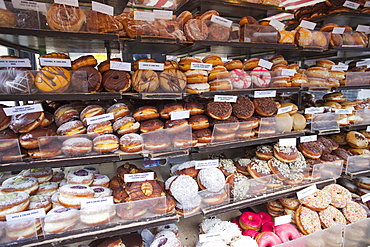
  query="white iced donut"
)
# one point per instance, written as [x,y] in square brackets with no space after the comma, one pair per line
[60,219]
[93,216]
[70,195]
[92,169]
[240,79]
[101,180]
[165,239]
[261,77]
[101,191]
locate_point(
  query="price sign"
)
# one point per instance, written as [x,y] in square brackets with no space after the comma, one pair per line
[203,66]
[314,110]
[29,5]
[10,111]
[367,4]
[163,14]
[281,220]
[201,164]
[55,62]
[365,198]
[339,67]
[120,66]
[102,8]
[221,21]
[351,5]
[308,24]
[143,16]
[97,202]
[363,28]
[21,62]
[338,30]
[264,63]
[2,4]
[210,237]
[151,66]
[277,24]
[67,2]
[30,214]
[307,191]
[99,118]
[288,72]
[264,94]
[180,115]
[343,111]
[287,142]
[368,129]
[362,63]
[285,109]
[138,177]
[311,138]
[225,98]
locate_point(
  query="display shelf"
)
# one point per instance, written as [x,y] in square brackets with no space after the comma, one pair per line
[40,40]
[359,173]
[356,127]
[248,142]
[155,96]
[247,91]
[62,96]
[165,155]
[148,44]
[219,209]
[97,232]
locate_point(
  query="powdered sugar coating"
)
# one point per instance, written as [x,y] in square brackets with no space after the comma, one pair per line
[183,188]
[101,191]
[165,239]
[169,227]
[243,241]
[227,165]
[229,230]
[80,176]
[19,184]
[38,173]
[12,199]
[212,179]
[168,182]
[76,190]
[39,201]
[47,188]
[100,180]
[92,169]
[69,126]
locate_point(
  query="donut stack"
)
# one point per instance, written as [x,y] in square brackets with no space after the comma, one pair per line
[324,208]
[359,186]
[218,77]
[86,78]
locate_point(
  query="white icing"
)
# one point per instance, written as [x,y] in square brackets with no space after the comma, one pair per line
[228,229]
[183,188]
[26,184]
[227,165]
[244,162]
[100,180]
[190,204]
[241,187]
[185,165]
[106,192]
[243,241]
[212,179]
[219,243]
[206,224]
[261,166]
[13,198]
[39,201]
[168,182]
[47,188]
[75,179]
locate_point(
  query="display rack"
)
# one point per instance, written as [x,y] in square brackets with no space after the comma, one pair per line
[63,96]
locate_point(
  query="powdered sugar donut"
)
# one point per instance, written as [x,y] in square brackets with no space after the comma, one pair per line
[80,176]
[47,188]
[261,77]
[60,219]
[70,195]
[101,191]
[169,227]
[165,239]
[240,79]
[13,184]
[40,201]
[13,202]
[93,216]
[101,180]
[42,174]
[92,169]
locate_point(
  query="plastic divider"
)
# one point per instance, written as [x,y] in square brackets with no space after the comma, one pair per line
[259,34]
[357,78]
[357,163]
[10,151]
[325,121]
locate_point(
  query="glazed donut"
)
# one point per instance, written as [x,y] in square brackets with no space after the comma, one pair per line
[93,216]
[131,143]
[63,17]
[218,32]
[13,202]
[88,60]
[145,81]
[250,64]
[196,30]
[194,108]
[80,176]
[240,79]
[265,107]
[42,174]
[53,79]
[36,138]
[15,81]
[183,18]
[261,77]
[169,28]
[151,125]
[266,239]
[15,184]
[203,135]
[105,65]
[26,122]
[331,216]
[60,219]
[304,37]
[77,146]
[234,65]
[70,195]
[172,80]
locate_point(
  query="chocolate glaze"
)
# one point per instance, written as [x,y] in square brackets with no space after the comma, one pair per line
[116,80]
[3,116]
[265,105]
[243,108]
[23,120]
[175,80]
[36,133]
[219,109]
[86,79]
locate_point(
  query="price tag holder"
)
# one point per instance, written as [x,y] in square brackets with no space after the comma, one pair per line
[368,129]
[97,202]
[311,138]
[30,214]
[210,237]
[225,98]
[143,16]
[339,67]
[285,109]
[67,2]
[150,163]
[163,14]
[139,177]
[201,164]
[221,21]
[120,66]
[288,72]
[2,4]
[287,142]
[100,118]
[338,30]
[307,191]
[361,63]
[151,66]
[365,198]
[281,220]
[343,111]
[10,111]
[277,24]
[264,94]
[102,8]
[16,63]
[180,115]
[363,28]
[203,66]
[55,62]
[314,110]
[367,4]
[264,63]
[351,5]
[29,5]
[308,24]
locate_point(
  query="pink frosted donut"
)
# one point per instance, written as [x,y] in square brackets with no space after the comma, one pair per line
[240,79]
[287,232]
[265,217]
[267,239]
[261,77]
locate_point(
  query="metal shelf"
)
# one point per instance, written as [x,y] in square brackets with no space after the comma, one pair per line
[248,91]
[62,96]
[357,174]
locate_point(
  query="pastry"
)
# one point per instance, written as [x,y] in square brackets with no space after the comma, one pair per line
[145,81]
[62,17]
[116,81]
[53,79]
[172,80]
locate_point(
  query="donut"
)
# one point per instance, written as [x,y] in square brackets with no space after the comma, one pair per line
[196,76]
[197,88]
[15,184]
[265,107]
[303,37]
[286,232]
[101,192]
[166,239]
[77,146]
[57,177]
[80,176]
[211,179]
[183,18]
[183,188]
[100,128]
[105,143]
[219,110]
[185,63]
[60,219]
[16,81]
[189,208]
[319,200]
[75,127]
[259,169]
[261,77]
[266,239]
[169,28]
[52,79]
[339,195]
[131,143]
[4,119]
[218,72]
[26,122]
[250,220]
[234,65]
[42,174]
[40,201]
[91,111]
[172,80]
[307,220]
[116,81]
[62,17]
[356,140]
[243,108]
[220,85]
[240,79]
[196,29]
[65,113]
[157,141]
[151,125]
[36,138]
[214,60]
[290,203]
[354,212]
[105,65]
[13,202]
[87,60]
[194,108]
[218,32]
[145,81]
[8,18]
[310,150]
[264,152]
[86,79]
[177,127]
[70,195]
[237,185]
[331,216]
[203,135]
[93,216]
[250,64]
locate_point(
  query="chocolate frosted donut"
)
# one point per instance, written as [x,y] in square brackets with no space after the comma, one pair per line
[37,137]
[265,107]
[86,79]
[30,19]
[145,81]
[325,144]
[116,81]
[26,122]
[8,139]
[219,110]
[310,150]
[243,108]
[172,80]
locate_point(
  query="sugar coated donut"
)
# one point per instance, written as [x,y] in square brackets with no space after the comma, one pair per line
[47,188]
[339,195]
[354,212]
[60,219]
[13,202]
[101,191]
[331,216]
[25,184]
[319,200]
[70,195]
[42,174]
[93,216]
[261,77]
[211,179]
[80,176]
[40,201]
[100,180]
[77,146]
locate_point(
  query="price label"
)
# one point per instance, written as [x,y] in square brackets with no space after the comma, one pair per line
[143,16]
[264,94]
[29,5]
[201,164]
[285,109]
[339,67]
[365,198]
[67,2]
[363,28]
[368,129]
[277,24]
[120,66]
[314,110]
[351,5]
[356,46]
[308,24]
[55,62]
[221,21]
[138,177]
[180,115]
[367,4]
[30,214]
[210,237]
[362,63]
[343,111]
[21,62]
[2,4]
[163,14]
[312,138]
[97,202]
[10,111]
[338,30]
[203,66]
[102,8]
[264,63]
[288,72]
[151,66]
[225,98]
[150,163]
[281,220]
[100,118]
[287,142]
[307,191]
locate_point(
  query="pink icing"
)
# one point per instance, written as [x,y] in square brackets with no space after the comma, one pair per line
[261,77]
[240,79]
